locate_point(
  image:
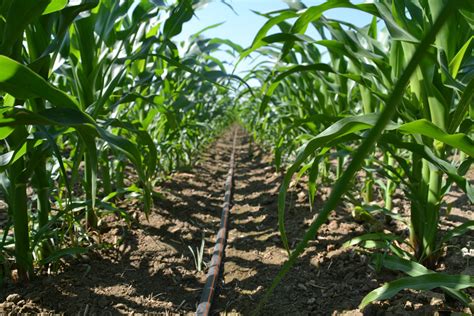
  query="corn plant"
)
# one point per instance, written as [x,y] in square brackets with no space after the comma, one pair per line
[408,99]
[89,90]
[198,255]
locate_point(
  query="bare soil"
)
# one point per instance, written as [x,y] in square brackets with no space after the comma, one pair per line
[148,267]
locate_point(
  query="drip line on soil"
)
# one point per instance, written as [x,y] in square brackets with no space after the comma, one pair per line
[214,272]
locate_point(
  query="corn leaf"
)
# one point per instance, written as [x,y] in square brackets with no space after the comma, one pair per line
[23,83]
[421,282]
[414,269]
[54,6]
[179,15]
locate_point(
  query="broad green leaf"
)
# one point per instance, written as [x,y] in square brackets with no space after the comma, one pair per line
[285,37]
[55,5]
[422,282]
[378,209]
[68,117]
[414,269]
[265,28]
[314,13]
[210,27]
[68,15]
[455,63]
[458,231]
[17,18]
[425,152]
[7,159]
[5,132]
[426,128]
[372,237]
[462,108]
[396,31]
[23,83]
[304,18]
[51,140]
[179,15]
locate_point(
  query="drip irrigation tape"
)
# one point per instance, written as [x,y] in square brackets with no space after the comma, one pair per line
[214,272]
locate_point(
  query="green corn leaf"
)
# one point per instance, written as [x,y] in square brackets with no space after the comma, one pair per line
[68,117]
[97,107]
[55,5]
[285,37]
[378,209]
[50,138]
[7,158]
[414,269]
[313,174]
[314,13]
[179,15]
[462,108]
[68,15]
[372,237]
[304,18]
[124,146]
[426,128]
[236,47]
[458,231]
[215,74]
[422,282]
[181,66]
[425,152]
[143,138]
[73,251]
[151,161]
[91,164]
[5,132]
[210,27]
[455,63]
[10,157]
[17,18]
[409,267]
[396,31]
[82,122]
[265,28]
[23,83]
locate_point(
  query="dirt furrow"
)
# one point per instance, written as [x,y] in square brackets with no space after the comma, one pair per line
[148,266]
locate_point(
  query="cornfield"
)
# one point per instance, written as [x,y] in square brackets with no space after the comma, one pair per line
[100,105]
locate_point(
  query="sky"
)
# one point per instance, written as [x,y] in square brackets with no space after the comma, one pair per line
[242,25]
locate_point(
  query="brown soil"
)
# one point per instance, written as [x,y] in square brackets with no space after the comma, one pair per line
[148,267]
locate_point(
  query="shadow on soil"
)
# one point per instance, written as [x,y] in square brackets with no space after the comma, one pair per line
[149,268]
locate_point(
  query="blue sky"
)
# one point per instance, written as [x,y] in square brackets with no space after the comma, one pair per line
[243,26]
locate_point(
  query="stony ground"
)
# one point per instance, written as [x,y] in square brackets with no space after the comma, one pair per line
[148,267]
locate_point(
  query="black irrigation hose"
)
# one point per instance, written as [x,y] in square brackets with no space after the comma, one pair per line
[213,274]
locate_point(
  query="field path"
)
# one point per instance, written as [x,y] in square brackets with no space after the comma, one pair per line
[147,266]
